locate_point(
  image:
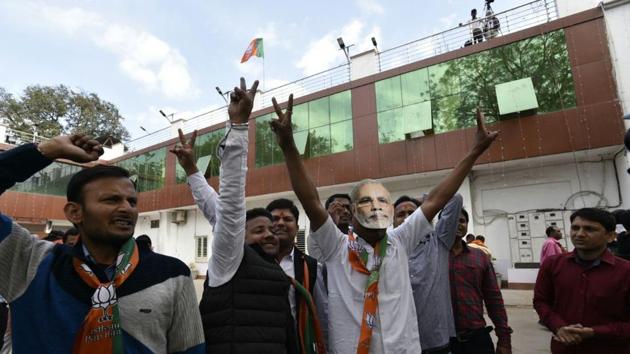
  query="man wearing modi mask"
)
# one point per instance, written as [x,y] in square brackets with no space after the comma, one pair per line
[371,308]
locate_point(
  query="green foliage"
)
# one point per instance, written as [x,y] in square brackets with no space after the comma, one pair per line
[50,111]
[457,87]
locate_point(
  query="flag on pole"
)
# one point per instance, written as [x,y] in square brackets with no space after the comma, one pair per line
[255,48]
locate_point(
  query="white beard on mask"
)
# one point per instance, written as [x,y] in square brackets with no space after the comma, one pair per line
[383,221]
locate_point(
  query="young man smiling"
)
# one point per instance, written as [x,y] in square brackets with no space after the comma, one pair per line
[245,305]
[583,296]
[371,308]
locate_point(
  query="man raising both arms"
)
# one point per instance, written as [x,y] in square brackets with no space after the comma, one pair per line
[371,307]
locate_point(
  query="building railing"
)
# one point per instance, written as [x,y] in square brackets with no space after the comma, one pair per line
[513,20]
[516,19]
[15,137]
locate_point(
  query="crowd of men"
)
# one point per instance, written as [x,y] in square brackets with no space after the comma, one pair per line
[380,278]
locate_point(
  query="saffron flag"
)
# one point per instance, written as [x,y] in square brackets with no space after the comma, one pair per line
[255,48]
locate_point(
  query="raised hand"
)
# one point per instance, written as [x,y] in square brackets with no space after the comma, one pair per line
[185,152]
[75,147]
[282,127]
[242,102]
[483,137]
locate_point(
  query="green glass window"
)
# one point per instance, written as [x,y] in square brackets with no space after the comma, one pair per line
[51,180]
[415,87]
[148,170]
[319,112]
[340,107]
[319,141]
[388,94]
[205,153]
[390,128]
[341,136]
[320,127]
[299,117]
[452,90]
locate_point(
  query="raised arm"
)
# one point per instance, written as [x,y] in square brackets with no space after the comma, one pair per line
[302,184]
[20,163]
[20,253]
[440,195]
[229,231]
[446,227]
[204,195]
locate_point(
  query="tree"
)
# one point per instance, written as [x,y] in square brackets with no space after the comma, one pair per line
[52,110]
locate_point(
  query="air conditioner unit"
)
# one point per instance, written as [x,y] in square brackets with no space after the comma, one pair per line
[178,216]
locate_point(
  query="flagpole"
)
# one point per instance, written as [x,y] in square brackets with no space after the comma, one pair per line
[264,81]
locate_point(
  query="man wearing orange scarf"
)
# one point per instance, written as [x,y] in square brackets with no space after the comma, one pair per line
[100,296]
[371,308]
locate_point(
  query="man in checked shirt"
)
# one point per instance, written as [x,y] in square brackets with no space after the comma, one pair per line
[473,283]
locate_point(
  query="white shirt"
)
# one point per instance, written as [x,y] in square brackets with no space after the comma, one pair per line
[289,269]
[225,212]
[397,327]
[320,296]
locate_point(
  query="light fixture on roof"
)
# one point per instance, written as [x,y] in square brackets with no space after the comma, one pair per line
[169,117]
[222,94]
[346,49]
[374,43]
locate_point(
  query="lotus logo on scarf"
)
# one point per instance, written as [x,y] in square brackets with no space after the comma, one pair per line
[370,320]
[355,246]
[104,296]
[86,268]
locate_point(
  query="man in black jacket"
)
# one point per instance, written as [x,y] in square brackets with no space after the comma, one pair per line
[244,307]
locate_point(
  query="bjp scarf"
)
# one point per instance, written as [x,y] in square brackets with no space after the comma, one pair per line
[309,328]
[100,332]
[358,257]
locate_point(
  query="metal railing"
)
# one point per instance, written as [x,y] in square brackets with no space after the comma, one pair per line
[16,137]
[512,20]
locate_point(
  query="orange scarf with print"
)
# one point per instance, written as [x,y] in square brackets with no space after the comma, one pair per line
[100,332]
[358,257]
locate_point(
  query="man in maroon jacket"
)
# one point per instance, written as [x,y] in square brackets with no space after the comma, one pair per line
[584,296]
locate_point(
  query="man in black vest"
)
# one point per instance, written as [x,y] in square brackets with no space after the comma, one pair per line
[296,263]
[244,307]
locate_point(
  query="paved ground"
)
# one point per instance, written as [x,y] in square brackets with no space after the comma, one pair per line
[528,338]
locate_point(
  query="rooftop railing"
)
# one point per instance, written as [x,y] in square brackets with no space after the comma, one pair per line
[15,137]
[513,20]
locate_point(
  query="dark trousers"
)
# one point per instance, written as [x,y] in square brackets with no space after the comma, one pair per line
[445,350]
[475,342]
[4,318]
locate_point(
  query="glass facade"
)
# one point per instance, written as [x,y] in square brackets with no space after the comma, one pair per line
[444,97]
[207,162]
[52,180]
[147,169]
[320,127]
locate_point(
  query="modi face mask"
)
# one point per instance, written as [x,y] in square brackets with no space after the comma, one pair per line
[373,207]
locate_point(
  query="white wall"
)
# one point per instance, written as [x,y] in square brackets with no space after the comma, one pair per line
[618,28]
[530,186]
[570,7]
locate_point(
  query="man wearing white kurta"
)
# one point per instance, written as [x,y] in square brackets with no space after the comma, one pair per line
[350,258]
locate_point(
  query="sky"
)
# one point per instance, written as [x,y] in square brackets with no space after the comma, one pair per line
[144,56]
